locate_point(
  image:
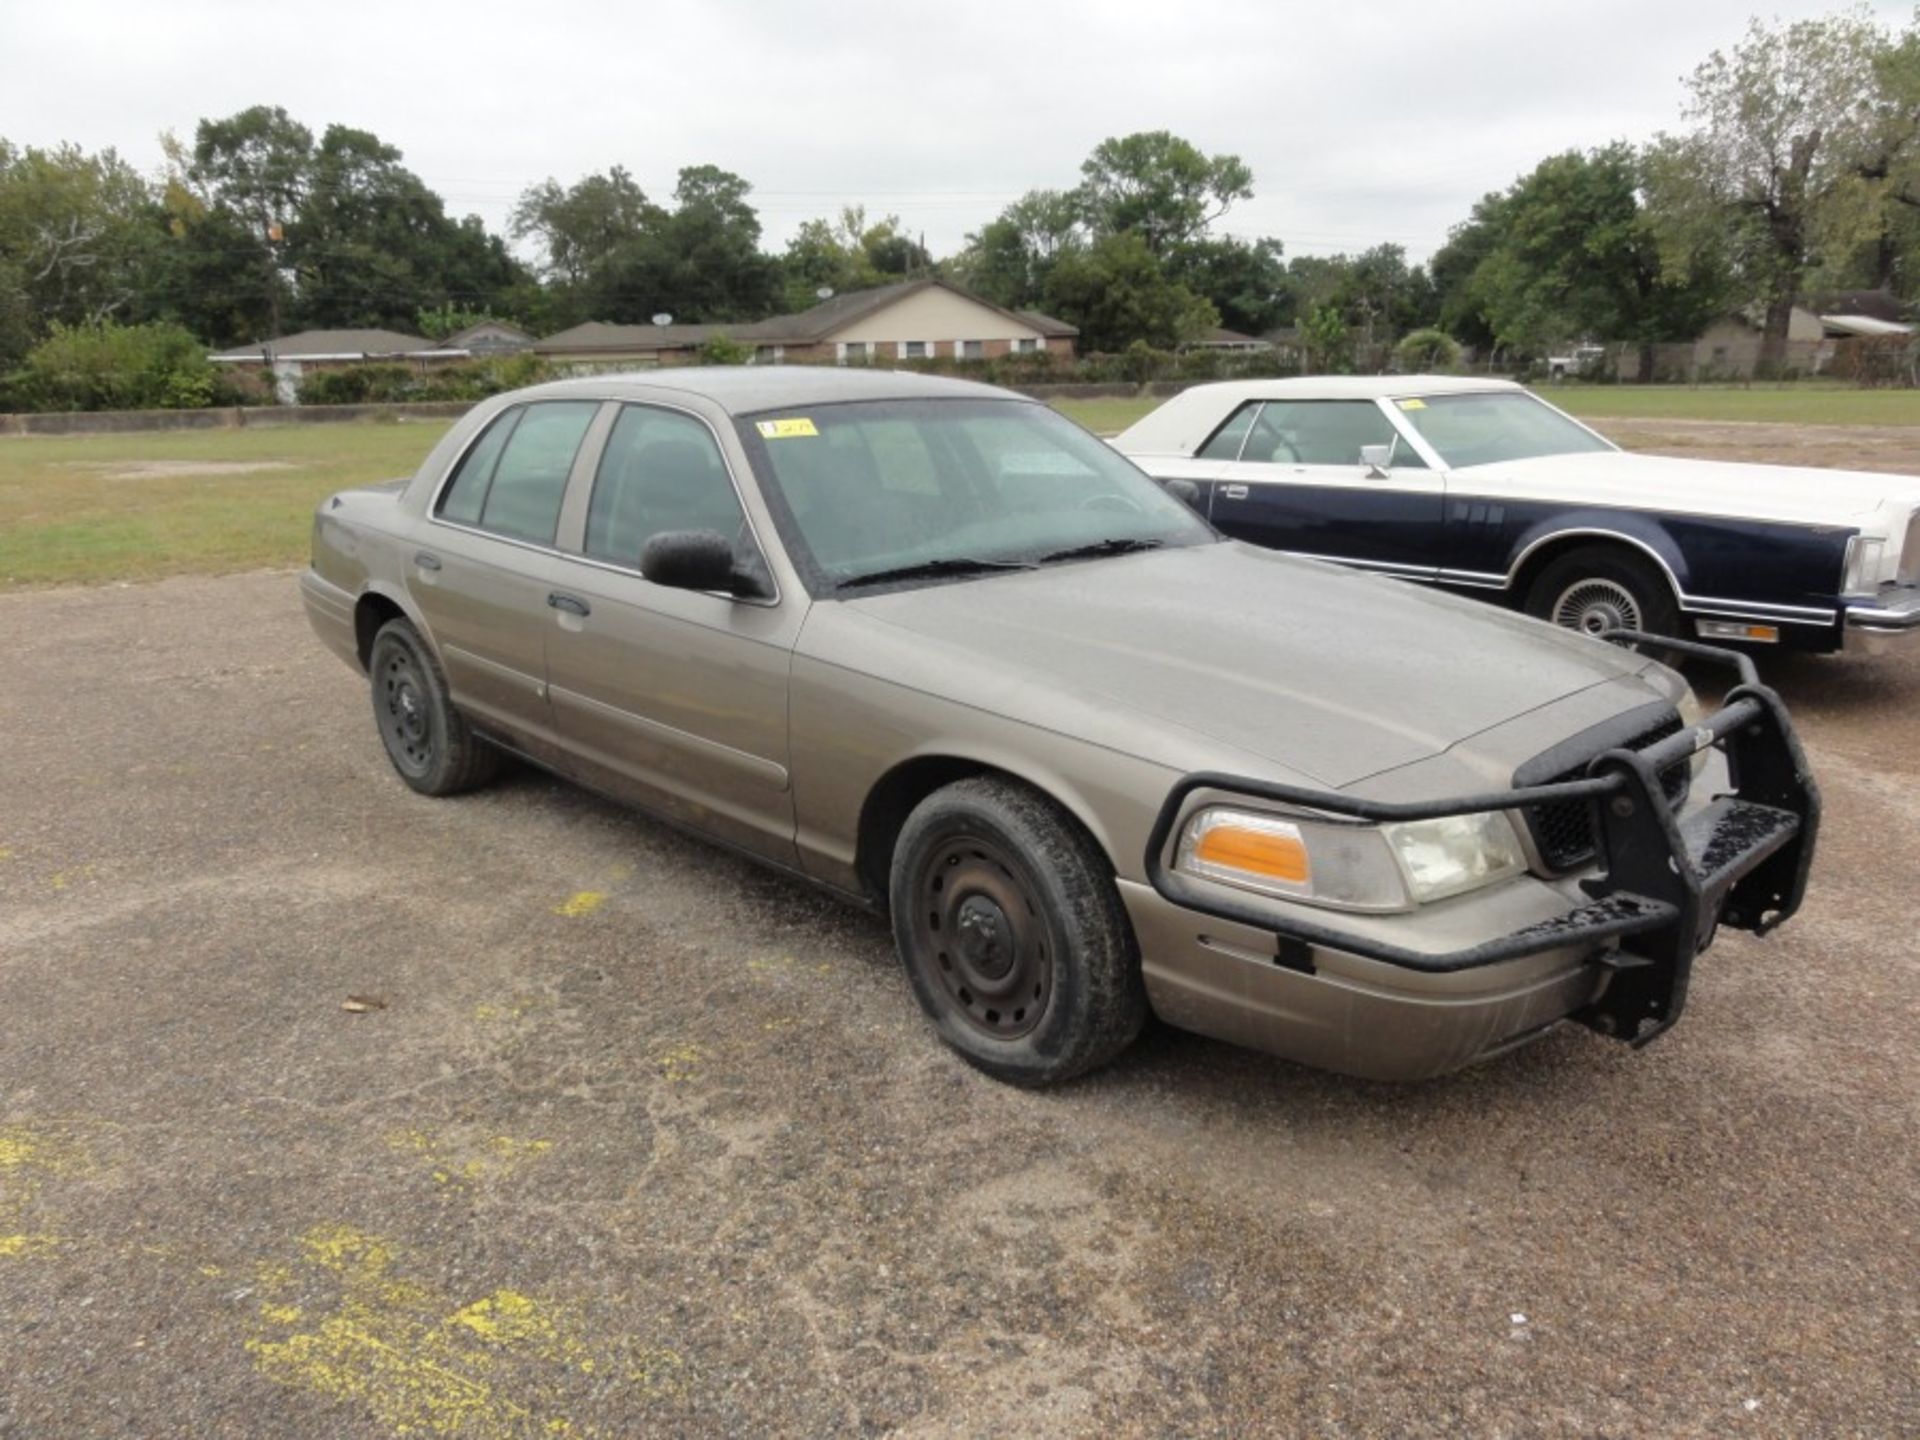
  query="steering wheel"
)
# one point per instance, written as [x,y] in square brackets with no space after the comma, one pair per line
[1110,501]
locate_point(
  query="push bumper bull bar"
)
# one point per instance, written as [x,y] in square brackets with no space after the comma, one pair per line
[1664,886]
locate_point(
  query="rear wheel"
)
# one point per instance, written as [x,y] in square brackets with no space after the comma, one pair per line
[1012,933]
[1604,587]
[429,742]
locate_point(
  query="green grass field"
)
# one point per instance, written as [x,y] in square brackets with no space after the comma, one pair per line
[1800,404]
[88,509]
[91,509]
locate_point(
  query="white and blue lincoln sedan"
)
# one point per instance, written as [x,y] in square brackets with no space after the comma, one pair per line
[1481,485]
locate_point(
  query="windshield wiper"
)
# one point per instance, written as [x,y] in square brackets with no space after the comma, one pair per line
[1101,547]
[931,569]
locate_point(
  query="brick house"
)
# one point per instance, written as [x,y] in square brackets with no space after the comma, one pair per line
[912,320]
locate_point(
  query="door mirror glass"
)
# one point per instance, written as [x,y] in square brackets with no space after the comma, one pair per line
[689,560]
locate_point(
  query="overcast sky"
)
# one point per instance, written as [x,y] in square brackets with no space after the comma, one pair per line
[1365,121]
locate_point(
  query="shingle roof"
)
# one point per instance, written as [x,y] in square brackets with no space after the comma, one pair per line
[807,327]
[308,344]
[1047,325]
[627,339]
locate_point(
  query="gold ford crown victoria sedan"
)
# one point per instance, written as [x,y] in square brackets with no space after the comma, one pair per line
[933,646]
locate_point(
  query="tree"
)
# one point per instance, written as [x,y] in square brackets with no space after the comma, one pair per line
[1009,259]
[1327,341]
[580,225]
[846,255]
[1788,134]
[1569,251]
[1425,351]
[370,244]
[255,166]
[1246,281]
[1155,185]
[1116,293]
[701,261]
[76,233]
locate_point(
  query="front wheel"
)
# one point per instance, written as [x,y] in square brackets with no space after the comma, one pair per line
[1604,587]
[1012,933]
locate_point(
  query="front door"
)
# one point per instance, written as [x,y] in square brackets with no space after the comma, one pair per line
[674,699]
[1296,482]
[479,569]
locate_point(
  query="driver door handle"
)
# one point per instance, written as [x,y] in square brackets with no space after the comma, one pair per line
[572,604]
[1233,492]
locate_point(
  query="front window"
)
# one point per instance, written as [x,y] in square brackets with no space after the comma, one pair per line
[660,471]
[1025,346]
[863,489]
[854,350]
[913,349]
[972,349]
[1490,427]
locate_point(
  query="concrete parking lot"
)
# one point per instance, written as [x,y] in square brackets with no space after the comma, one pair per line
[625,1137]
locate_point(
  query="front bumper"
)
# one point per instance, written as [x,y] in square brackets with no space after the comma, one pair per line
[1883,623]
[1617,959]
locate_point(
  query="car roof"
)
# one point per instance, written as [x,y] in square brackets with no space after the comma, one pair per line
[1351,387]
[742,389]
[1182,425]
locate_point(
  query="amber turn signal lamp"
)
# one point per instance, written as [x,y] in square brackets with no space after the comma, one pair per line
[1256,852]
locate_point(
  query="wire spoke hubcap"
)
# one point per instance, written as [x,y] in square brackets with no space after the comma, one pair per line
[980,937]
[1595,605]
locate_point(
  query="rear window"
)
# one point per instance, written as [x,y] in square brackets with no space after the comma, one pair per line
[513,479]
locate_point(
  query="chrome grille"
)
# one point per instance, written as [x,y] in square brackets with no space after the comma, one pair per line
[1563,832]
[1909,572]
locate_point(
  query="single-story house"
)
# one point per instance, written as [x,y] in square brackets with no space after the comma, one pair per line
[911,320]
[292,356]
[489,337]
[1220,338]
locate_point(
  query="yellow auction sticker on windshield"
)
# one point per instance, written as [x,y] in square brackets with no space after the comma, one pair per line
[785,429]
[1413,404]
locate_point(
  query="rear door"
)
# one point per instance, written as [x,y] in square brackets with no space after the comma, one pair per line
[674,699]
[481,571]
[1297,483]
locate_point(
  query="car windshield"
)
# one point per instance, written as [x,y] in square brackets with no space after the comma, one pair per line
[938,488]
[1487,428]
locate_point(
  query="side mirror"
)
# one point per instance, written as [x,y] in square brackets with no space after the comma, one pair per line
[1185,491]
[1378,459]
[691,560]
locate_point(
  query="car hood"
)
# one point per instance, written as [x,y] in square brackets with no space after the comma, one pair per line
[1318,671]
[1789,493]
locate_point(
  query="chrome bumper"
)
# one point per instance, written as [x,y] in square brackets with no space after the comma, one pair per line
[1880,624]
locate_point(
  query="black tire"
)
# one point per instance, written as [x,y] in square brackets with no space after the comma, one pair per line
[1012,933]
[1599,587]
[429,742]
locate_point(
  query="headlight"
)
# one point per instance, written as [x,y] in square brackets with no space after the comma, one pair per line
[1866,556]
[1692,716]
[1348,866]
[1456,854]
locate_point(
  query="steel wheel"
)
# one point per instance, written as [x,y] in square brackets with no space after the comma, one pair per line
[1594,605]
[980,937]
[406,724]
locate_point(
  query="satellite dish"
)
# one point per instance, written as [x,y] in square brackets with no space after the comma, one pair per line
[825,292]
[663,318]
